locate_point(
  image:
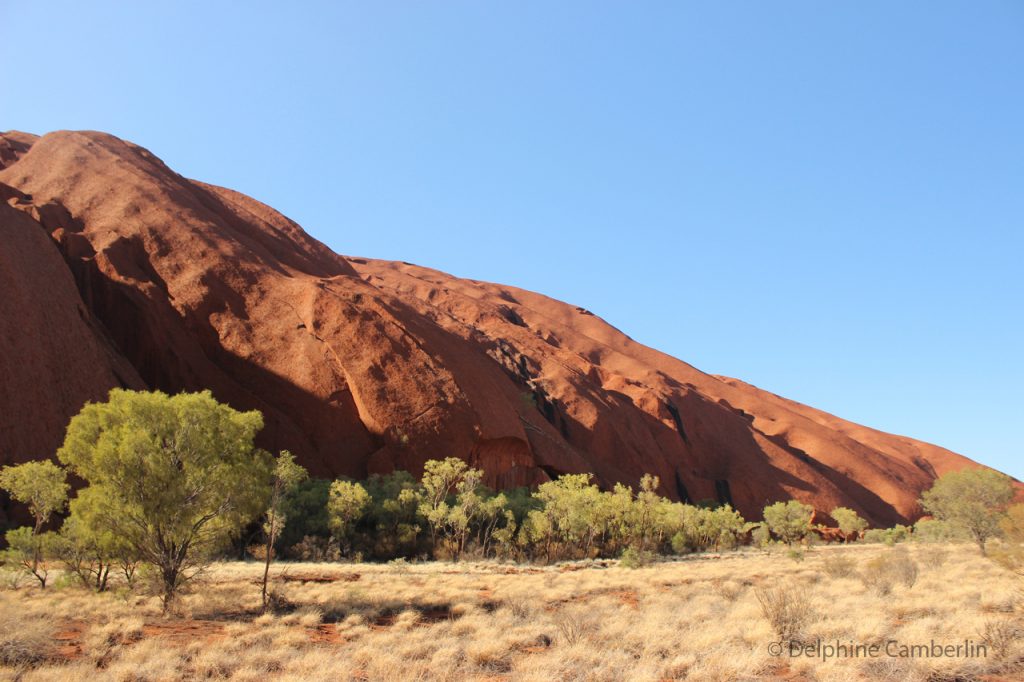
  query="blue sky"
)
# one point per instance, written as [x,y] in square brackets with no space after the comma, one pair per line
[823,199]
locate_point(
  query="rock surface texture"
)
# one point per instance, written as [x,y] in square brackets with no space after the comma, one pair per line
[116,271]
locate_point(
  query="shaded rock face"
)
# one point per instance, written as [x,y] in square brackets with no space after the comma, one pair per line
[116,271]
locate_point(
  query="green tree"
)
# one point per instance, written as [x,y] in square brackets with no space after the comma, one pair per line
[646,506]
[305,507]
[974,499]
[723,526]
[43,487]
[28,550]
[347,503]
[90,551]
[703,528]
[440,482]
[570,507]
[170,476]
[468,508]
[789,521]
[393,521]
[850,522]
[615,516]
[287,474]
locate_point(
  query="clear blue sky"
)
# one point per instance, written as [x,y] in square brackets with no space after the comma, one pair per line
[824,199]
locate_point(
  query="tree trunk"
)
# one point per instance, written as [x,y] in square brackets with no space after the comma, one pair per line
[170,580]
[269,549]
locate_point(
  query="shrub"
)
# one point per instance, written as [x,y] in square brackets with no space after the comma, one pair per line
[727,589]
[760,536]
[573,626]
[259,552]
[888,536]
[839,566]
[24,641]
[1012,524]
[933,556]
[787,610]
[905,568]
[636,558]
[1009,557]
[315,548]
[882,573]
[877,578]
[933,530]
[1000,636]
[521,607]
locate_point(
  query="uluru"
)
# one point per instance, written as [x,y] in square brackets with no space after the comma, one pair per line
[115,271]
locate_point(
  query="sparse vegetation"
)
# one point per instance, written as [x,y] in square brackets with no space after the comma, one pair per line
[885,571]
[888,536]
[839,566]
[541,582]
[787,609]
[695,617]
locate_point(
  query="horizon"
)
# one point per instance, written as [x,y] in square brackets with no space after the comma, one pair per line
[873,234]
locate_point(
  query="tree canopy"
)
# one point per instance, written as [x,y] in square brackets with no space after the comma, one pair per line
[170,476]
[974,499]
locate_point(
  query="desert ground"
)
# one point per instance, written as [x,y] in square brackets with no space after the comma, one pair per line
[698,617]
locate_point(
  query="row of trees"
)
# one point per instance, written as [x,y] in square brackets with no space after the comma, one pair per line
[450,513]
[171,481]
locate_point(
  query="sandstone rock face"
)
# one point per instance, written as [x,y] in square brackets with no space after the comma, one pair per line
[54,354]
[114,270]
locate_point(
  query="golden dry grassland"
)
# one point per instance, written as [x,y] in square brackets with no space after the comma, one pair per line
[699,618]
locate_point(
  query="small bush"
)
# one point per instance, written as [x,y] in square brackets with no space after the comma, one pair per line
[1009,557]
[905,568]
[259,552]
[727,589]
[787,610]
[13,578]
[839,566]
[573,626]
[636,558]
[882,573]
[1000,636]
[315,548]
[795,554]
[933,556]
[888,536]
[760,536]
[933,530]
[23,641]
[520,607]
[101,641]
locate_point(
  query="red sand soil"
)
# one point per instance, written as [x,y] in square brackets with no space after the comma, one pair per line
[116,271]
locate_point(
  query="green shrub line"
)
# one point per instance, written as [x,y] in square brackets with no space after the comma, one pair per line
[174,482]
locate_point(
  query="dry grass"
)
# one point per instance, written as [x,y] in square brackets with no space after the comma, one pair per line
[696,618]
